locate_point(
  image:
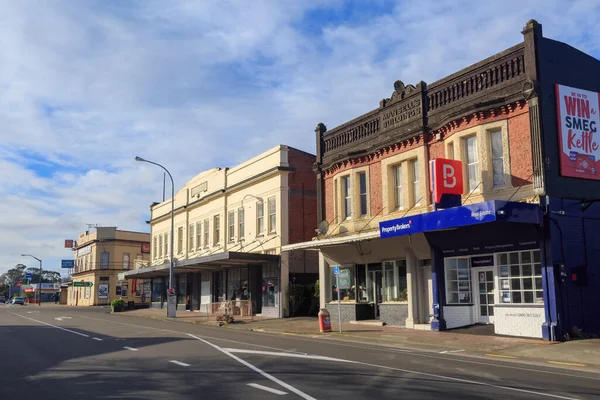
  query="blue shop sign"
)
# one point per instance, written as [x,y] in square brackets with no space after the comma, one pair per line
[472,214]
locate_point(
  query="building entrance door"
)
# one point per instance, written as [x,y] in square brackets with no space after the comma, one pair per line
[426,301]
[486,292]
[377,290]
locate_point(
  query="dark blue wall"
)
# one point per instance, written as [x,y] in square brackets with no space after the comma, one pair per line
[575,242]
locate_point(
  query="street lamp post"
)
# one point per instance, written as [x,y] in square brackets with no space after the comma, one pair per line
[40,288]
[171,306]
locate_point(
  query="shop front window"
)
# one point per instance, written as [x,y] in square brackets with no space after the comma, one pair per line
[157,285]
[181,288]
[520,275]
[237,284]
[394,281]
[347,284]
[458,281]
[270,286]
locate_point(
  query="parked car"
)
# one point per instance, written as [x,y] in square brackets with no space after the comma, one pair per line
[18,300]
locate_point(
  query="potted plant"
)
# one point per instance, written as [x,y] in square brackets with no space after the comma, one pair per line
[117,305]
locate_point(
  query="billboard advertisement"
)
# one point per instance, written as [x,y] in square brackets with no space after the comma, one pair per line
[578,123]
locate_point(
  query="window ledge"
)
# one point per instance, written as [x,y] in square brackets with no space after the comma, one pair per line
[394,302]
[272,234]
[260,236]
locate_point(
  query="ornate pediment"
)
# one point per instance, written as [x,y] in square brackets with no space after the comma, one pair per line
[400,92]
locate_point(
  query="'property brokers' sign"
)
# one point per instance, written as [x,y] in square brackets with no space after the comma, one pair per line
[578,123]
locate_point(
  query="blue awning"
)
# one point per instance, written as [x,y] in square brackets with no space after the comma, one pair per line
[456,217]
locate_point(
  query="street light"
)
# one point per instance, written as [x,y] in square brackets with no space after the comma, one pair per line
[171,313]
[40,288]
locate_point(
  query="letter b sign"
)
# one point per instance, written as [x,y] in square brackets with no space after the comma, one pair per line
[446,178]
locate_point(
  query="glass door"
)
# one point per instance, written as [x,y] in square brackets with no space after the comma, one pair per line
[377,290]
[486,292]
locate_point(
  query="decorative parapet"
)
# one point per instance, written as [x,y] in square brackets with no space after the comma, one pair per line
[418,109]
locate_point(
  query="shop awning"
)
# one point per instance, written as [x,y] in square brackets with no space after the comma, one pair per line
[456,217]
[335,241]
[210,262]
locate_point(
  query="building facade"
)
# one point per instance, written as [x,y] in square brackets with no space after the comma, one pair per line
[499,254]
[100,258]
[230,224]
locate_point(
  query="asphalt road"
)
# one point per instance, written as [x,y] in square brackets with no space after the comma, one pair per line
[51,352]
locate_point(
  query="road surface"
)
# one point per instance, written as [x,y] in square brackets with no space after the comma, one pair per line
[52,352]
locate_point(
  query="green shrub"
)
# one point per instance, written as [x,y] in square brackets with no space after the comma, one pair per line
[118,303]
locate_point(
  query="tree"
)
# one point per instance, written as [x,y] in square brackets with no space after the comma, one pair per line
[14,275]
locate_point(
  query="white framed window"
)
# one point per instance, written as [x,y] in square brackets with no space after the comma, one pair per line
[398,193]
[497,157]
[394,281]
[160,246]
[472,161]
[520,277]
[166,238]
[450,148]
[217,230]
[206,232]
[191,237]
[416,193]
[347,197]
[272,208]
[198,235]
[180,240]
[362,193]
[231,225]
[260,218]
[126,257]
[124,289]
[155,247]
[241,217]
[458,280]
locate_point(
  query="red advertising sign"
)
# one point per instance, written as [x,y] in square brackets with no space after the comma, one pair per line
[145,247]
[68,244]
[446,178]
[578,123]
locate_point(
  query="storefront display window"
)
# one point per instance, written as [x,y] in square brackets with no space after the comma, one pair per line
[181,286]
[347,282]
[520,277]
[458,281]
[361,284]
[157,285]
[237,284]
[394,281]
[270,286]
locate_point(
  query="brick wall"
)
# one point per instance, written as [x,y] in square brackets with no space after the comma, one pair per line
[437,150]
[302,196]
[520,149]
[329,206]
[375,192]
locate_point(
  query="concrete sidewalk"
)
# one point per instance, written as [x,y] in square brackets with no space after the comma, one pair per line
[576,353]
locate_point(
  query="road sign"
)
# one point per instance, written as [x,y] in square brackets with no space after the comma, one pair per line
[28,276]
[82,284]
[336,269]
[67,264]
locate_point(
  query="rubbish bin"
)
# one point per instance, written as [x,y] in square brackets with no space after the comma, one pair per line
[324,320]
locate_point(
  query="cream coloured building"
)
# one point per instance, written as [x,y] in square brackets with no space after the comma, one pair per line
[101,257]
[230,224]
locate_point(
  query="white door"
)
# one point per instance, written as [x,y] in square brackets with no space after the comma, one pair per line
[486,291]
[426,296]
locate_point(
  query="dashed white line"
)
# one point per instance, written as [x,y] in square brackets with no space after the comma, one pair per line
[130,348]
[267,389]
[450,351]
[292,355]
[98,339]
[54,326]
[179,363]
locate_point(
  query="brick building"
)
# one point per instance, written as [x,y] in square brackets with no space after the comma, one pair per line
[495,253]
[230,224]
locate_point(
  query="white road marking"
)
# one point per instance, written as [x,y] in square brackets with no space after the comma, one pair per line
[267,389]
[54,326]
[61,318]
[272,353]
[450,351]
[179,363]
[31,312]
[256,369]
[130,348]
[372,346]
[98,339]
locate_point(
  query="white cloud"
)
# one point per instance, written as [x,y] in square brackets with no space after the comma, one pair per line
[86,86]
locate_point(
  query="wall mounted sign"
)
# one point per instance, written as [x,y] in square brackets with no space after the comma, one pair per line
[578,124]
[446,182]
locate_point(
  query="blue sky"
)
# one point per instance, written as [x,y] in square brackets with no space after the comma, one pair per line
[87,85]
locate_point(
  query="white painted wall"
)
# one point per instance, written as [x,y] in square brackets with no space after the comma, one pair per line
[205,292]
[519,321]
[457,316]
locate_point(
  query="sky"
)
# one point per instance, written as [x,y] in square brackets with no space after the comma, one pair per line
[85,86]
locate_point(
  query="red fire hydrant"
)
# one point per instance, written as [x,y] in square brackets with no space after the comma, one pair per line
[324,320]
